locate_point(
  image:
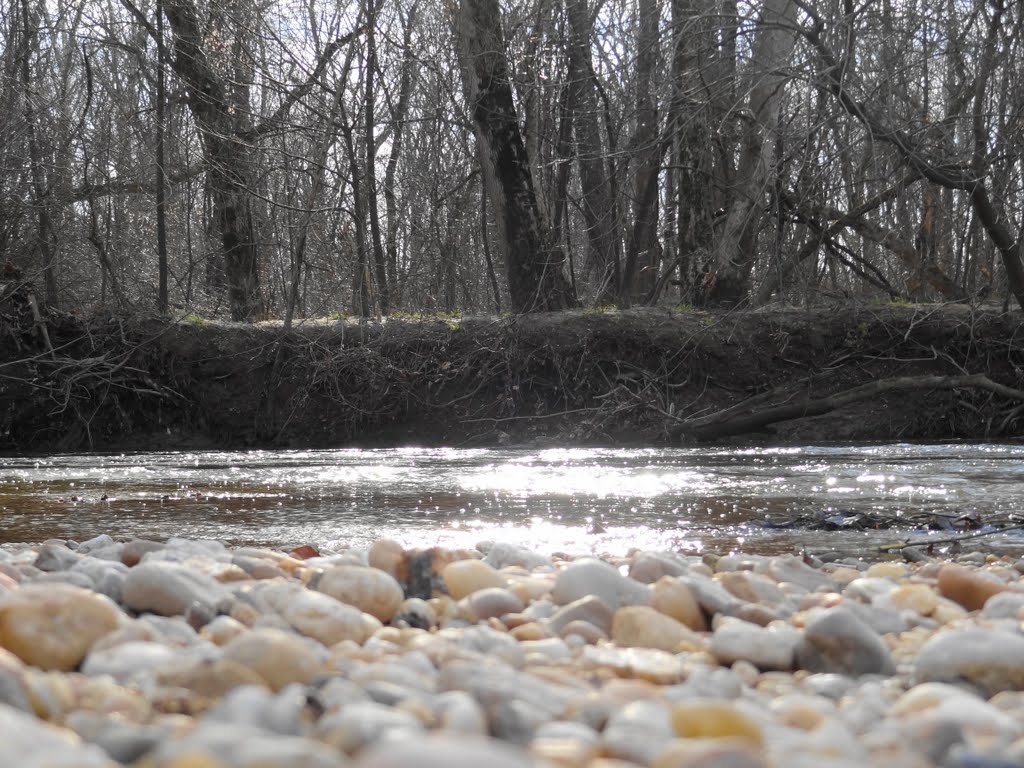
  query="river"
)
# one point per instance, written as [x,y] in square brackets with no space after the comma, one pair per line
[575,500]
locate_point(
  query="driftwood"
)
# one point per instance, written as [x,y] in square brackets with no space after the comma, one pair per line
[749,416]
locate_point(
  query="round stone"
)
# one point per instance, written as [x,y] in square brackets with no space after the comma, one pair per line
[279,657]
[464,577]
[53,626]
[640,626]
[967,587]
[675,599]
[368,589]
[714,720]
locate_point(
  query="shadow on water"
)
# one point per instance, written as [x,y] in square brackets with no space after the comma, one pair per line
[569,500]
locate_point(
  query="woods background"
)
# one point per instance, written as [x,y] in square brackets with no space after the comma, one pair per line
[288,158]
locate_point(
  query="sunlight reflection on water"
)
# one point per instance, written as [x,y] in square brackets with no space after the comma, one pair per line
[572,500]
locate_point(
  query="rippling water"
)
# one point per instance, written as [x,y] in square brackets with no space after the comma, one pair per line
[571,500]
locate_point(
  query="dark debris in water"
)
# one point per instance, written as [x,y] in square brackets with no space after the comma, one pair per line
[833,520]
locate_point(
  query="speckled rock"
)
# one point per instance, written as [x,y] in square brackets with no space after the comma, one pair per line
[597,578]
[993,660]
[835,640]
[368,589]
[53,626]
[280,658]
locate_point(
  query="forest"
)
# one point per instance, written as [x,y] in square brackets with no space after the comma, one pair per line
[287,159]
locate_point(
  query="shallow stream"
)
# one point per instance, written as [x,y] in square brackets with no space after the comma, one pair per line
[555,500]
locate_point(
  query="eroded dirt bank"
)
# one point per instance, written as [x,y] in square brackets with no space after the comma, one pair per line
[645,376]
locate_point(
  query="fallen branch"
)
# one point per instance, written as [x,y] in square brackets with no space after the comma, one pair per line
[738,420]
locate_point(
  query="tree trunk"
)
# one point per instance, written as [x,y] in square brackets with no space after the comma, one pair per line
[596,193]
[728,279]
[369,171]
[212,102]
[536,278]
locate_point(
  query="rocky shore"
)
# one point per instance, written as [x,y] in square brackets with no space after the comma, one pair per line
[190,654]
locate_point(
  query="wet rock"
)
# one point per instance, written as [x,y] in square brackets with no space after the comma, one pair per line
[53,626]
[992,660]
[597,578]
[170,589]
[835,640]
[368,589]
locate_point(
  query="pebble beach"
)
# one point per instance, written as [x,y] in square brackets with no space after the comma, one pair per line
[193,654]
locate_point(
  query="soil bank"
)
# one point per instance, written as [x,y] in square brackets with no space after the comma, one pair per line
[615,377]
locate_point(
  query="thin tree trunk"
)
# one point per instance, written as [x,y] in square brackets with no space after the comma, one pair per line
[161,183]
[369,171]
[535,266]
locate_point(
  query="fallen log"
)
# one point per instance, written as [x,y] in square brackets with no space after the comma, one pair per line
[740,419]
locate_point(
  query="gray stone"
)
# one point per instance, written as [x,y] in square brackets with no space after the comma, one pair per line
[55,557]
[992,660]
[712,596]
[445,751]
[595,577]
[503,554]
[590,609]
[1004,605]
[836,640]
[771,648]
[170,589]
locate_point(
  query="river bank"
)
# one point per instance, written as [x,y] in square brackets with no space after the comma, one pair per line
[189,653]
[648,377]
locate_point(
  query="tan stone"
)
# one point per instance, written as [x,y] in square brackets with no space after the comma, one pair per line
[640,626]
[714,720]
[966,587]
[464,577]
[887,570]
[368,589]
[53,626]
[211,679]
[673,598]
[279,657]
[388,556]
[920,598]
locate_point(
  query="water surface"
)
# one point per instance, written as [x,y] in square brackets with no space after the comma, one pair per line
[571,500]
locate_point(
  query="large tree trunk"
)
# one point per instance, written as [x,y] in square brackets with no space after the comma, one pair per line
[536,278]
[728,279]
[212,102]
